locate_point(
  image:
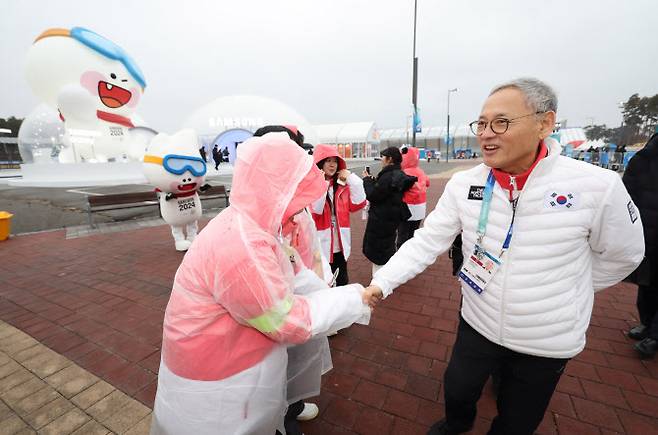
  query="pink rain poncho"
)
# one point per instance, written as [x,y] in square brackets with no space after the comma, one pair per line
[416,197]
[307,362]
[233,308]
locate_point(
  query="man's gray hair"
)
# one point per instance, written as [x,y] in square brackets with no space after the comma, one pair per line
[539,96]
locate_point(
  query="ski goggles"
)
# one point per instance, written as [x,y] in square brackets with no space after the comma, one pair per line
[108,49]
[177,165]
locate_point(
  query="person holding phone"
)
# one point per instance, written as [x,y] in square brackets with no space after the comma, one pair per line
[331,212]
[387,210]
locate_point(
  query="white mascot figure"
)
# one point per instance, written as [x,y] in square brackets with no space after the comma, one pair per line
[172,164]
[94,85]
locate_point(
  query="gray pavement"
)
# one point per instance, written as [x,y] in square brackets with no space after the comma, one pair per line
[44,392]
[41,208]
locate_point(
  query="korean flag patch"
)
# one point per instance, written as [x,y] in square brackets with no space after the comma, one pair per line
[632,211]
[556,200]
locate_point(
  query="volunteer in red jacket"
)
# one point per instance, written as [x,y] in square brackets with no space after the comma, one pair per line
[416,197]
[331,213]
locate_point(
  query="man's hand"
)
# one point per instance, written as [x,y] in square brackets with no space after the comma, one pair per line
[372,295]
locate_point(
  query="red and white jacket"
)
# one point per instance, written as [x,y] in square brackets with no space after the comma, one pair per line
[416,197]
[348,199]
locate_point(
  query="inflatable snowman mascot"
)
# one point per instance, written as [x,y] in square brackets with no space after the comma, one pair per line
[173,165]
[94,85]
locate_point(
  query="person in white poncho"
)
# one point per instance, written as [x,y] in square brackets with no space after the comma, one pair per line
[235,303]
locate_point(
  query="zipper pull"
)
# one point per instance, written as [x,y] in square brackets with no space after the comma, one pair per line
[512,182]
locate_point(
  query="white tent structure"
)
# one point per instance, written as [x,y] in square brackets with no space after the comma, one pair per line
[354,139]
[596,144]
[431,137]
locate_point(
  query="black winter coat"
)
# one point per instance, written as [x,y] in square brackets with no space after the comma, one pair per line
[641,181]
[386,212]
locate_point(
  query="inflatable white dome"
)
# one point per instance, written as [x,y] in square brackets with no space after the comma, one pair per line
[245,112]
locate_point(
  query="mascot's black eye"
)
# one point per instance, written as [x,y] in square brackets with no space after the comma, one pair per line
[114,76]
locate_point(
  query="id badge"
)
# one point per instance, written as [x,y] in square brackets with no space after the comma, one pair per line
[479,269]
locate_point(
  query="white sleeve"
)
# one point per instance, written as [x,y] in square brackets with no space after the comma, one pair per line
[336,308]
[616,237]
[317,206]
[357,192]
[306,281]
[435,237]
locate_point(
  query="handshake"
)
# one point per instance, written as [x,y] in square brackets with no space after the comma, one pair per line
[372,295]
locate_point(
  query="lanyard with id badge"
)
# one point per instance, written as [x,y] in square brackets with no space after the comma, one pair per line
[479,268]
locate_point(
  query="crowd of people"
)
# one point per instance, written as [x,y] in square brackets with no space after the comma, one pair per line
[218,156]
[614,158]
[266,281]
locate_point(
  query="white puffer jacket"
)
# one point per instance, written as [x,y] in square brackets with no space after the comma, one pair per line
[540,300]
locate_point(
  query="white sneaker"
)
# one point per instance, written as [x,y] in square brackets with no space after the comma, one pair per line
[182,245]
[310,411]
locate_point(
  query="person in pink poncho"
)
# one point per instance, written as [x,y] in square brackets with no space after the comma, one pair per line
[240,296]
[416,197]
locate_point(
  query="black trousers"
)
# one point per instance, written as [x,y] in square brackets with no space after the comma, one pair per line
[647,307]
[290,421]
[406,231]
[340,263]
[527,384]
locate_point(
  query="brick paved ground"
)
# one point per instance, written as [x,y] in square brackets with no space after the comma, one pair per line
[99,301]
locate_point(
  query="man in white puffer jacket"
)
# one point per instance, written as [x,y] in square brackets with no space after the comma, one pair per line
[541,233]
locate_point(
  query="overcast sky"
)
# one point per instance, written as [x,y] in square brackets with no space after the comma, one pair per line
[350,60]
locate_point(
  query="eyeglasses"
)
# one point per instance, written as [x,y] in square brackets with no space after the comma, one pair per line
[498,125]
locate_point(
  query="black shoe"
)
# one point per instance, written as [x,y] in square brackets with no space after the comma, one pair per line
[639,332]
[441,427]
[647,347]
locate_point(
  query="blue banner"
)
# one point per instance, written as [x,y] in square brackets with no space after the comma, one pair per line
[418,125]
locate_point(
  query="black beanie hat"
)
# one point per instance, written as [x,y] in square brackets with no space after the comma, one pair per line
[393,153]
